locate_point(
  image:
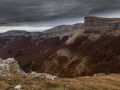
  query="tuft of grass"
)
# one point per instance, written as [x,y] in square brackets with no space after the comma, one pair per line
[105,82]
[4,85]
[52,85]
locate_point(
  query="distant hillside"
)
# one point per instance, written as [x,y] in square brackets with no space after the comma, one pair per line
[59,28]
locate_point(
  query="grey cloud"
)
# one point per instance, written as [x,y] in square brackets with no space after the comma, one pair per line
[12,11]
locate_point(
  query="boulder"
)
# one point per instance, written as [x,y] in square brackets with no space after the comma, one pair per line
[9,67]
[18,87]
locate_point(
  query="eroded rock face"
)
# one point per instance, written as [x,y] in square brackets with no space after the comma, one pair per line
[94,48]
[101,24]
[88,57]
[9,67]
[32,49]
[93,51]
[63,52]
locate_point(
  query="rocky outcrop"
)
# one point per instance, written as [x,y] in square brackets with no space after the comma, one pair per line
[27,50]
[9,67]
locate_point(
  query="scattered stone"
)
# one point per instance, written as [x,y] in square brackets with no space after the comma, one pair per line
[43,75]
[50,77]
[35,74]
[18,87]
[99,74]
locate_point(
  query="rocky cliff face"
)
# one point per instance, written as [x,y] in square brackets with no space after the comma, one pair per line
[87,57]
[86,53]
[80,49]
[31,48]
[93,51]
[101,24]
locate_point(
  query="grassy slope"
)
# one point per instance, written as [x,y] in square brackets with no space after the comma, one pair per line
[106,82]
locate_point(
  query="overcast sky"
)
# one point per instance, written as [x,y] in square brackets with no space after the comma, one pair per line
[49,13]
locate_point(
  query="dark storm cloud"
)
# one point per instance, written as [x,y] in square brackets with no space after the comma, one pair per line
[46,10]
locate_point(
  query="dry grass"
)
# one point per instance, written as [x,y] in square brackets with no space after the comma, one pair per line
[106,82]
